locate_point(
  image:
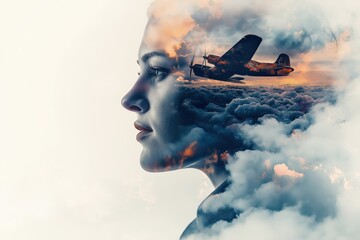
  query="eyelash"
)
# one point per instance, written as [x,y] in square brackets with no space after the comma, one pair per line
[158,72]
[155,73]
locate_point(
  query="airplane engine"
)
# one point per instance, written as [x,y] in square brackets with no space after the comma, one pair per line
[212,59]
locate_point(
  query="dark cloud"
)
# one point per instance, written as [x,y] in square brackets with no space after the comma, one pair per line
[220,110]
[231,24]
[294,43]
[251,104]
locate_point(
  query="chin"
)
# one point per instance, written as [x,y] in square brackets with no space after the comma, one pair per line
[158,161]
[152,161]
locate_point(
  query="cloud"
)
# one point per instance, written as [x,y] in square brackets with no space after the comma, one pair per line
[295,184]
[217,25]
[224,119]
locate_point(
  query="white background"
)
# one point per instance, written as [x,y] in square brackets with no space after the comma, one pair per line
[69,165]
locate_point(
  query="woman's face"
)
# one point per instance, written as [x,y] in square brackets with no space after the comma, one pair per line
[155,99]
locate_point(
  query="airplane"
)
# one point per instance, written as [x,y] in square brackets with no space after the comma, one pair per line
[237,60]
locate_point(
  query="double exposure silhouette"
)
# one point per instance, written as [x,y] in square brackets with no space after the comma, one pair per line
[199,122]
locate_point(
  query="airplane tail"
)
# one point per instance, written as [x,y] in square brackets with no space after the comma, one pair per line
[283,59]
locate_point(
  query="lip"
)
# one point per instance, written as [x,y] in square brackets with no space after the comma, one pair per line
[145,131]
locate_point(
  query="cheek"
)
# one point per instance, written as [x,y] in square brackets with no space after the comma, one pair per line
[164,112]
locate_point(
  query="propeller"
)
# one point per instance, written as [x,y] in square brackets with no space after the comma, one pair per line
[191,66]
[204,58]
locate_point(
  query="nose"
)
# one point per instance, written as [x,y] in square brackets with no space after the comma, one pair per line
[136,99]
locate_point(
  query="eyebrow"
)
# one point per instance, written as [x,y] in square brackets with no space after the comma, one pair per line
[146,56]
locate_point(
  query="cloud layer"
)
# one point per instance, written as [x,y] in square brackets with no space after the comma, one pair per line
[220,110]
[309,179]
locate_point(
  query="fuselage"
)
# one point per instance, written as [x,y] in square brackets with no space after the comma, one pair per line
[225,69]
[254,68]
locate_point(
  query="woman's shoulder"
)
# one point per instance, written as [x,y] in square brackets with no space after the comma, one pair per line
[207,215]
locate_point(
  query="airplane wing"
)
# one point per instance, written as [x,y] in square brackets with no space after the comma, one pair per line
[243,50]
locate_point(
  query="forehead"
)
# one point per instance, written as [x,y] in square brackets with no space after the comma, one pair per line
[150,49]
[153,55]
[162,35]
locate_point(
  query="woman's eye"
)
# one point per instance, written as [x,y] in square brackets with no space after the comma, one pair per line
[159,72]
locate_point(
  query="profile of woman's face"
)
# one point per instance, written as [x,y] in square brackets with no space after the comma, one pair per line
[155,98]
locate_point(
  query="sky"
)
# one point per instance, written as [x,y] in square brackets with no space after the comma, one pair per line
[69,164]
[311,33]
[69,160]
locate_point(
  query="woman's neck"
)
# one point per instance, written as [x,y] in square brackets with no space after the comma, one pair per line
[215,170]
